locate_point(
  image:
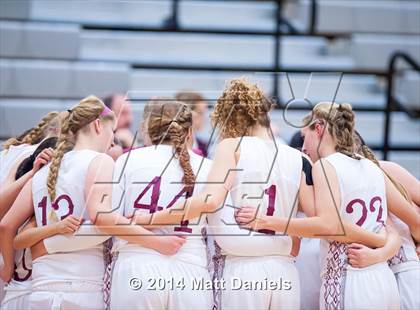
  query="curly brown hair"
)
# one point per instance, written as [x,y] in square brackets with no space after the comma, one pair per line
[241,106]
[169,121]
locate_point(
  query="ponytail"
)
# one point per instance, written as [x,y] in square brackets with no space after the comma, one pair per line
[89,109]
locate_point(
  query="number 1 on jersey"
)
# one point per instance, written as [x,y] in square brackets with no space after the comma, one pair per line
[271,192]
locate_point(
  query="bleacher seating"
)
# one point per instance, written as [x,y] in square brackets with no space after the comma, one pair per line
[52,53]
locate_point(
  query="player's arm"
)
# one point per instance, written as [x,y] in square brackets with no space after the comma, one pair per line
[11,188]
[219,182]
[109,221]
[405,210]
[361,256]
[86,236]
[326,224]
[21,210]
[405,178]
[306,188]
[31,234]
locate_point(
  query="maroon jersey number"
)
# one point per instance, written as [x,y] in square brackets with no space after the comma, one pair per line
[55,205]
[153,206]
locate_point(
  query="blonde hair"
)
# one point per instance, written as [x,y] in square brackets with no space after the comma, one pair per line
[241,106]
[37,133]
[339,120]
[340,123]
[169,121]
[89,109]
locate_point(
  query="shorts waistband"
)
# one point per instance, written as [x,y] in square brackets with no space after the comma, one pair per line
[405,266]
[377,266]
[66,285]
[234,259]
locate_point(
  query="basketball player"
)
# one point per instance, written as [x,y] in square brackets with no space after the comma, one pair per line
[156,177]
[246,165]
[18,289]
[73,280]
[15,151]
[330,136]
[405,264]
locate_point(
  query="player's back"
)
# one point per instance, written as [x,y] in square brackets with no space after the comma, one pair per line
[362,202]
[152,180]
[70,200]
[267,177]
[362,191]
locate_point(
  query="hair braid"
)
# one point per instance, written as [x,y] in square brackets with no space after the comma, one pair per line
[340,122]
[34,135]
[64,143]
[178,137]
[170,121]
[89,109]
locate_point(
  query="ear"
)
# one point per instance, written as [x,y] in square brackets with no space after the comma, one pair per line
[319,129]
[97,126]
[190,134]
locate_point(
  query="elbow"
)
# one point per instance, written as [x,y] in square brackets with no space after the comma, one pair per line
[17,244]
[7,232]
[6,229]
[210,206]
[330,228]
[105,223]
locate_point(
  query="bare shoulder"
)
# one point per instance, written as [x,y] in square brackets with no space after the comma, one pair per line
[228,143]
[391,167]
[322,168]
[102,164]
[228,148]
[102,158]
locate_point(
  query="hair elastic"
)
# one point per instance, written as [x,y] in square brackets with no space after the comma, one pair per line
[105,111]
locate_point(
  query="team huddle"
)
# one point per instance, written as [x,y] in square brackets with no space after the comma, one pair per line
[260,226]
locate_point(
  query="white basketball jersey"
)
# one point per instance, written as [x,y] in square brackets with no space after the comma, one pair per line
[267,177]
[407,251]
[22,258]
[86,264]
[22,274]
[9,157]
[150,179]
[362,191]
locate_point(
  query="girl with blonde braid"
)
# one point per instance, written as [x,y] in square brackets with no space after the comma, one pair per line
[77,183]
[153,178]
[276,179]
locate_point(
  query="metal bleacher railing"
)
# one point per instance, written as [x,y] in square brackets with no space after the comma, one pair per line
[282,28]
[171,25]
[393,104]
